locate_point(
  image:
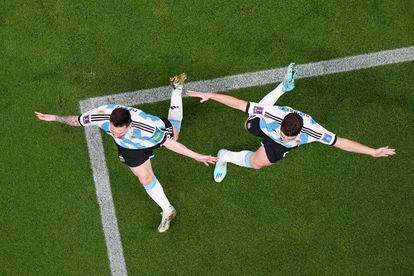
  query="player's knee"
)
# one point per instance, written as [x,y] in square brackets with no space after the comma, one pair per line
[176,133]
[145,178]
[256,165]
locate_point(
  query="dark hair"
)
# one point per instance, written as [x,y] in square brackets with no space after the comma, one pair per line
[120,117]
[292,124]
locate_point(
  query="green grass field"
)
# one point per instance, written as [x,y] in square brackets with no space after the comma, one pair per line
[319,211]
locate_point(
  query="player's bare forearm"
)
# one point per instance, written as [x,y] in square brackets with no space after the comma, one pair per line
[68,120]
[229,101]
[183,150]
[180,148]
[352,146]
[223,99]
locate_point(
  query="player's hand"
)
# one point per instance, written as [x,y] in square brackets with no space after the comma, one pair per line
[45,117]
[383,152]
[203,96]
[206,159]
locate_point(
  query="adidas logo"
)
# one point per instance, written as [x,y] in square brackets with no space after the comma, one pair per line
[173,107]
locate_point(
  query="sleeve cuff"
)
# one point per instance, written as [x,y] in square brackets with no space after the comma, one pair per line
[79,120]
[163,140]
[247,107]
[334,141]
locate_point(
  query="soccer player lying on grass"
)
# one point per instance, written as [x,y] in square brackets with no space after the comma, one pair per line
[137,134]
[282,128]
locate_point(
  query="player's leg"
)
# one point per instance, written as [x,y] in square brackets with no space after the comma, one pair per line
[154,189]
[260,159]
[175,112]
[288,84]
[240,158]
[245,158]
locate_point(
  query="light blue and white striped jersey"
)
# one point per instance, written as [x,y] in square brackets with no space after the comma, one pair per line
[271,119]
[145,132]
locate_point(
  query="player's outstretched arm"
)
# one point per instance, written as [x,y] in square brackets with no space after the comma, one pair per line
[68,120]
[183,150]
[352,146]
[224,99]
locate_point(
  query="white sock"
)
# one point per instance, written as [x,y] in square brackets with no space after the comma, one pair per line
[156,192]
[175,112]
[241,158]
[272,96]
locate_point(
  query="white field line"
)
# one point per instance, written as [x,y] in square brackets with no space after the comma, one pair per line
[94,140]
[259,78]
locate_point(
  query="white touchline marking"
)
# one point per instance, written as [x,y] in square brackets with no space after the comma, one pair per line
[94,140]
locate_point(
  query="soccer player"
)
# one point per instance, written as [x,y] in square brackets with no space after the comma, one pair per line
[137,134]
[282,128]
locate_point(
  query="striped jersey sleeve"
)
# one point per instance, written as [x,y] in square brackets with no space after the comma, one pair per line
[314,132]
[96,117]
[265,111]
